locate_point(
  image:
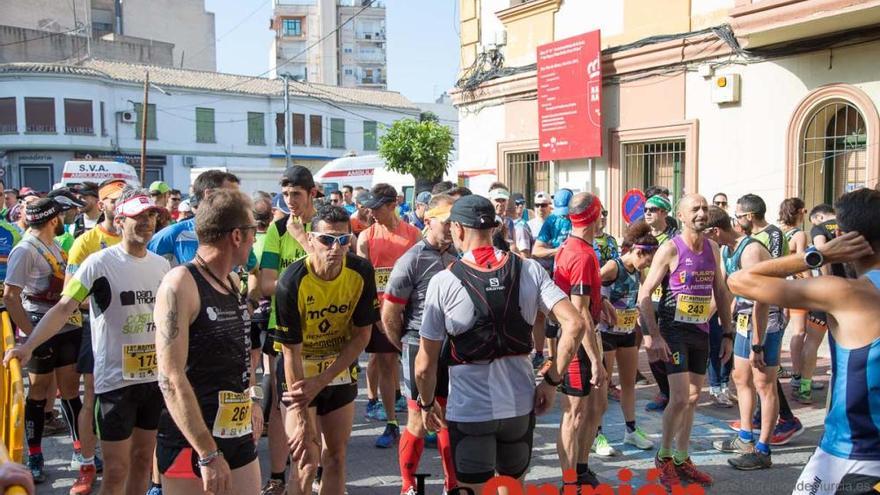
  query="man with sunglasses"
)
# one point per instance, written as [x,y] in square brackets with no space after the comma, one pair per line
[326,312]
[416,218]
[383,244]
[402,319]
[720,200]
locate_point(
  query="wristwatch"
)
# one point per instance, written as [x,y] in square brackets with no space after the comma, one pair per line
[255,393]
[757,348]
[813,258]
[549,381]
[422,405]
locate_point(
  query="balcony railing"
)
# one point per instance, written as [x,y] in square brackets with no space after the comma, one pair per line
[40,128]
[79,130]
[8,129]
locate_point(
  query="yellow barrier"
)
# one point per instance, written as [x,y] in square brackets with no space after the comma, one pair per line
[11,398]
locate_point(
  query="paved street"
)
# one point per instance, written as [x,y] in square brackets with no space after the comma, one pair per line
[374,471]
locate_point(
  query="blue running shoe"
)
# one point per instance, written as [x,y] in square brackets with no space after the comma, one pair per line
[431,440]
[35,464]
[388,437]
[400,404]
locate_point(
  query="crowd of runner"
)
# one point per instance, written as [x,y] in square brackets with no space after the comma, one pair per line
[193,326]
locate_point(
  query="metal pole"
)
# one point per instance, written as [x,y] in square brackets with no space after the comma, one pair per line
[287,129]
[144,116]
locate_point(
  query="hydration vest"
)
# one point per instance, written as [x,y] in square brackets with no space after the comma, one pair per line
[500,329]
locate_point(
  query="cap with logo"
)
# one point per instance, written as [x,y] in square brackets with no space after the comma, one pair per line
[66,199]
[27,191]
[41,211]
[542,198]
[297,175]
[561,200]
[474,211]
[159,187]
[518,198]
[134,206]
[111,189]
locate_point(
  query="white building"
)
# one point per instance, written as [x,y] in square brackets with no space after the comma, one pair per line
[51,113]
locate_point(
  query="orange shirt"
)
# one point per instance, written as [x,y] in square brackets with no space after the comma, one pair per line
[386,247]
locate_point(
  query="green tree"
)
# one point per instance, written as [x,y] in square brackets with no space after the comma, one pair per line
[421,149]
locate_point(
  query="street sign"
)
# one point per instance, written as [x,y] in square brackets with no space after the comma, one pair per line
[570,98]
[633,206]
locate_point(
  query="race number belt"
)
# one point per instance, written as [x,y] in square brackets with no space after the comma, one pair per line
[742,325]
[233,419]
[692,309]
[626,319]
[138,361]
[314,366]
[382,275]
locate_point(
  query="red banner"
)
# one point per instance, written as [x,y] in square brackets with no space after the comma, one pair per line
[570,98]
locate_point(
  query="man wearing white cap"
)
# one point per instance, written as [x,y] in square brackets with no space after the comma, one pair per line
[120,283]
[499,196]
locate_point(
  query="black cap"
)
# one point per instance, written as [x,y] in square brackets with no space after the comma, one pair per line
[474,211]
[41,211]
[518,198]
[88,189]
[66,199]
[298,175]
[372,201]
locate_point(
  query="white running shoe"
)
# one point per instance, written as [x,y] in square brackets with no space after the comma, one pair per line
[638,439]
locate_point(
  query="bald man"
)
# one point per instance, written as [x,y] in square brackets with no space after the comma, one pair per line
[688,271]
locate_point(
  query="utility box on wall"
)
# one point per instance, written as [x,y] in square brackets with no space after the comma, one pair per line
[725,88]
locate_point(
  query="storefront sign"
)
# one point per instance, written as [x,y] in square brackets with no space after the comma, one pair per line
[570,98]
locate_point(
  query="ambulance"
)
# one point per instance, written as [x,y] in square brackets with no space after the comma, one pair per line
[97,171]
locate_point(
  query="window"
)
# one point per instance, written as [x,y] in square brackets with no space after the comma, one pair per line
[291,27]
[279,129]
[298,122]
[39,177]
[337,133]
[256,131]
[8,118]
[833,159]
[39,114]
[370,136]
[103,121]
[152,174]
[151,121]
[655,163]
[78,117]
[205,125]
[526,174]
[316,130]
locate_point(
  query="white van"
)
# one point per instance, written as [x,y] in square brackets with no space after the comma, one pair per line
[77,172]
[364,171]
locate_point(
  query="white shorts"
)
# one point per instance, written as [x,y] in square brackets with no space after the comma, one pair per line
[826,474]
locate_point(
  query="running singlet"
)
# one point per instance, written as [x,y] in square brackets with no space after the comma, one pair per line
[774,240]
[386,247]
[555,230]
[9,237]
[687,291]
[217,365]
[606,248]
[742,311]
[577,273]
[280,250]
[409,280]
[121,289]
[828,229]
[664,236]
[623,294]
[91,242]
[261,312]
[852,426]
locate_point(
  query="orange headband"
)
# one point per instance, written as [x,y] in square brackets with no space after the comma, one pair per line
[588,216]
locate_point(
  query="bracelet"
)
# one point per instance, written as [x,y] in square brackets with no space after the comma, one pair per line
[424,407]
[550,382]
[727,336]
[208,459]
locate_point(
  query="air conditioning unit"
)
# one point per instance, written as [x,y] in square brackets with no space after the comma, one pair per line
[128,117]
[189,161]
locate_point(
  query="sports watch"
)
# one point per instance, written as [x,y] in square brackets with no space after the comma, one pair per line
[255,393]
[757,348]
[813,258]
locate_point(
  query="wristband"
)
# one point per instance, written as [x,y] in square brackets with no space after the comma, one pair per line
[208,459]
[550,382]
[424,407]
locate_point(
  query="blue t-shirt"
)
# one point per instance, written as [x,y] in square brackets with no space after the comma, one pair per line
[350,208]
[555,230]
[180,241]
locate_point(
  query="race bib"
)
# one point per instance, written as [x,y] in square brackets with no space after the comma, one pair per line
[382,275]
[692,309]
[657,294]
[315,366]
[742,325]
[626,319]
[233,419]
[76,319]
[138,361]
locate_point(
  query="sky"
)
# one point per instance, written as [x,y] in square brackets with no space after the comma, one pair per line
[423,42]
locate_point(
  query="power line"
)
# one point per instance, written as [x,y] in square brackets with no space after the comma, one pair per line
[245,19]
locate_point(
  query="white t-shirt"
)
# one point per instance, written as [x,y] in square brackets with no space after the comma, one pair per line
[504,388]
[122,291]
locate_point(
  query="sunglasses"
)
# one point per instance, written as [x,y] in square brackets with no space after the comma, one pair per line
[519,203]
[243,228]
[721,204]
[652,209]
[328,239]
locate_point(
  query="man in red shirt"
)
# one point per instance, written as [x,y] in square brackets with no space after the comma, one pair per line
[577,274]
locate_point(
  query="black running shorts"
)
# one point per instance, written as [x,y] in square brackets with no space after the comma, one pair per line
[119,411]
[689,347]
[481,449]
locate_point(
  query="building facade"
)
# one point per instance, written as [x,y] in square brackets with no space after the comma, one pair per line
[347,39]
[777,98]
[146,31]
[52,113]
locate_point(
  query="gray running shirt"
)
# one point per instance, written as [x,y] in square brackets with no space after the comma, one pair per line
[408,282]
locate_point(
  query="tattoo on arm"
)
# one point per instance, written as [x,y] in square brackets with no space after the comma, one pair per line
[171,330]
[165,384]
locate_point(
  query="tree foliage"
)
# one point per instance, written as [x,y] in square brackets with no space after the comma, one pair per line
[421,149]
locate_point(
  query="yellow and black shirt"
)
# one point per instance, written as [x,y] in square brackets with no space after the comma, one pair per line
[319,314]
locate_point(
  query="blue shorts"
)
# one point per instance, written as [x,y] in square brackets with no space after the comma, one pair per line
[742,347]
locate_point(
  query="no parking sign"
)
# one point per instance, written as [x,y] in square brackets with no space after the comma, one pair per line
[633,206]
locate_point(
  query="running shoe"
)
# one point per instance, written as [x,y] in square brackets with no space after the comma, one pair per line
[638,439]
[796,384]
[603,448]
[400,404]
[35,464]
[658,404]
[736,425]
[803,396]
[668,473]
[537,361]
[431,440]
[783,372]
[273,487]
[154,490]
[721,398]
[76,462]
[411,491]
[376,411]
[785,431]
[85,480]
[735,444]
[388,437]
[751,461]
[614,392]
[588,478]
[54,426]
[689,471]
[641,379]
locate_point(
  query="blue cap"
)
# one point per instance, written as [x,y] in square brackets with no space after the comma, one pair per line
[561,200]
[279,203]
[424,197]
